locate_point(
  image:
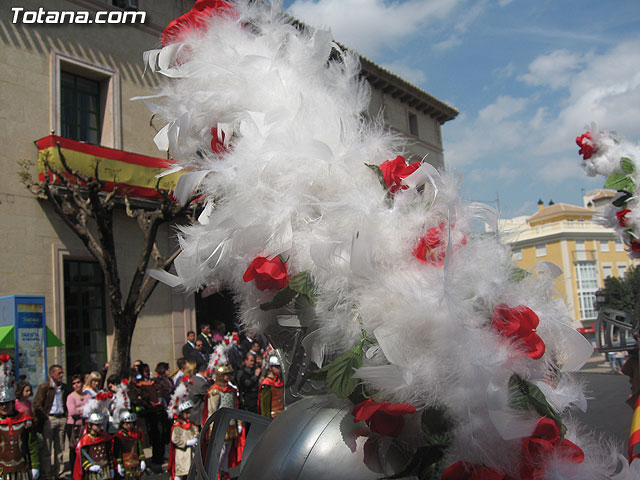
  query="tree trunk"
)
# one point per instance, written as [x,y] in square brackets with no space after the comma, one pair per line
[120,360]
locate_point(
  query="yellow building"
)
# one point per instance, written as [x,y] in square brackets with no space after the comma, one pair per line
[569,237]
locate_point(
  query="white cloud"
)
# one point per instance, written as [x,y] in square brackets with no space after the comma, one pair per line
[559,171]
[368,25]
[554,69]
[503,108]
[400,68]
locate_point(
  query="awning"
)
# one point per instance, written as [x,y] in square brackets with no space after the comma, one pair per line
[7,340]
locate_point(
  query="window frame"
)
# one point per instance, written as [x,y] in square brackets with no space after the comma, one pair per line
[541,250]
[109,79]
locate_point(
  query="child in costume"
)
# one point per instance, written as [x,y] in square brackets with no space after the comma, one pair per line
[127,448]
[94,458]
[271,393]
[19,458]
[224,394]
[184,435]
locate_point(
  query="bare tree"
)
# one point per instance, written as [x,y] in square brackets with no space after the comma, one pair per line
[82,203]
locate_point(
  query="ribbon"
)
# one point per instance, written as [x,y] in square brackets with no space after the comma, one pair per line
[634,436]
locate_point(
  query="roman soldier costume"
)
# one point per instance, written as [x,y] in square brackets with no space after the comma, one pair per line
[94,456]
[271,393]
[19,458]
[184,435]
[128,450]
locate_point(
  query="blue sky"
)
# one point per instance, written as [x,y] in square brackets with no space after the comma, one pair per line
[526,76]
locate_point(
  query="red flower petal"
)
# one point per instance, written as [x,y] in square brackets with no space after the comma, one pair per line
[571,451]
[622,219]
[194,19]
[385,424]
[467,471]
[534,347]
[217,145]
[268,274]
[5,357]
[363,411]
[394,171]
[586,144]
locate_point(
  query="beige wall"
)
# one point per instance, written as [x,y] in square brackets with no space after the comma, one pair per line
[35,240]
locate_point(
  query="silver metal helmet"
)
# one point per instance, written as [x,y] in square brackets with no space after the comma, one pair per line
[128,417]
[616,331]
[316,438]
[185,405]
[96,418]
[7,394]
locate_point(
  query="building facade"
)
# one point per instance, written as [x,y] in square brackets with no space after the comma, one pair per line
[75,81]
[569,237]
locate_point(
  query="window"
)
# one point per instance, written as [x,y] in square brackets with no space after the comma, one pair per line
[587,283]
[619,246]
[85,101]
[606,271]
[413,124]
[79,108]
[541,250]
[580,252]
[604,246]
[84,316]
[517,254]
[622,269]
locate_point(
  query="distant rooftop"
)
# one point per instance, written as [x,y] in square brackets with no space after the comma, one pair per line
[560,209]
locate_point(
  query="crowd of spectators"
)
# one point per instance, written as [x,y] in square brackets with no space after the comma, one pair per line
[57,407]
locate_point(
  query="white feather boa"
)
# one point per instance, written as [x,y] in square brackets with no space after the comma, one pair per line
[294,182]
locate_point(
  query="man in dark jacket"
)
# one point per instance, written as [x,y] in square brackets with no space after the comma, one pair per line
[208,345]
[50,408]
[189,348]
[197,393]
[249,383]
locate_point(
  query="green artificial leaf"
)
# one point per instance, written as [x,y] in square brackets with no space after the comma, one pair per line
[627,165]
[282,298]
[302,283]
[436,424]
[518,274]
[378,171]
[527,396]
[620,182]
[340,372]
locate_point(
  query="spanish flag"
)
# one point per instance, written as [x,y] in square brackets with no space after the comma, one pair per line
[134,174]
[634,437]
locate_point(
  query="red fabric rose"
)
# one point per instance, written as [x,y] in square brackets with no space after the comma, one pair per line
[635,246]
[544,442]
[268,274]
[125,381]
[102,396]
[394,171]
[432,247]
[194,19]
[519,324]
[586,144]
[622,218]
[383,418]
[217,145]
[5,357]
[468,471]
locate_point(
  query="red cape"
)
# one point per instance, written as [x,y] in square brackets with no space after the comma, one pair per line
[171,465]
[83,442]
[17,418]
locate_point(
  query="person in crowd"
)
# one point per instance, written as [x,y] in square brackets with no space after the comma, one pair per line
[249,384]
[164,387]
[150,408]
[198,393]
[105,370]
[271,393]
[200,357]
[179,373]
[50,407]
[92,384]
[223,394]
[236,353]
[137,363]
[127,448]
[255,349]
[138,399]
[19,456]
[217,334]
[184,436]
[24,390]
[207,340]
[75,423]
[94,459]
[112,383]
[189,348]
